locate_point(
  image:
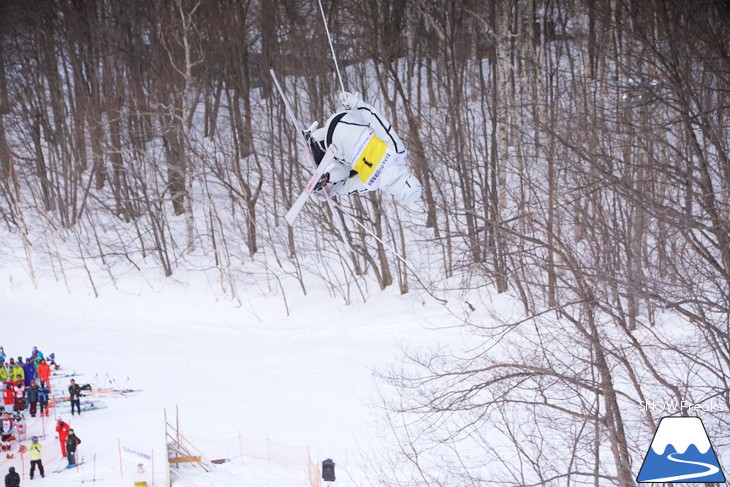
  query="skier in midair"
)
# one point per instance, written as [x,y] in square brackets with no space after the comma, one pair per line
[370,155]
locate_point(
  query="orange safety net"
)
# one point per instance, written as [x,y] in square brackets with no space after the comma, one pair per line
[283,454]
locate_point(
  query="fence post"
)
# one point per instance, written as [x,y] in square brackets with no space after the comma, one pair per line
[240,447]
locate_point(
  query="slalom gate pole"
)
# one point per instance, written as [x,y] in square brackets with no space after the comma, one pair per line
[121,465]
[332,49]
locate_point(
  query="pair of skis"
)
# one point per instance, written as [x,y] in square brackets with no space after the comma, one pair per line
[328,158]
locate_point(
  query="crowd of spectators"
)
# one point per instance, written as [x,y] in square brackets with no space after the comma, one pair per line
[26,392]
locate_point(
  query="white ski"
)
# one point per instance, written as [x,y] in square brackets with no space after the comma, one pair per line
[303,139]
[329,156]
[320,169]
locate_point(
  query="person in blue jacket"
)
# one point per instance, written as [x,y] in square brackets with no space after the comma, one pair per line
[29,370]
[43,397]
[36,354]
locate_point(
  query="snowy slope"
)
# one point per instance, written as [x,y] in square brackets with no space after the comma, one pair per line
[232,371]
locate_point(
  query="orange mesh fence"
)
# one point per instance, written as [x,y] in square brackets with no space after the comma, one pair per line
[44,427]
[283,454]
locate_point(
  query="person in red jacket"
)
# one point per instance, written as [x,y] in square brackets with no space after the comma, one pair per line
[44,372]
[9,397]
[62,430]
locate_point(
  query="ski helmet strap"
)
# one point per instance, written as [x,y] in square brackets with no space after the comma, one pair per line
[331,128]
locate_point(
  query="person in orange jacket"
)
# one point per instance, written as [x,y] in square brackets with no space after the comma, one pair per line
[44,372]
[62,430]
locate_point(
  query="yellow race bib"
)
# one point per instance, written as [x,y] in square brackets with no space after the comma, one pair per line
[369,158]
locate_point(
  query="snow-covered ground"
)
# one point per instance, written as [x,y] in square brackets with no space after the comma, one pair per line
[233,372]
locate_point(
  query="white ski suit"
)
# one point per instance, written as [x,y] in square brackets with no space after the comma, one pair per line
[370,155]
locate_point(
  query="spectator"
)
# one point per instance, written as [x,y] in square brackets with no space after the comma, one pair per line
[52,361]
[6,433]
[44,373]
[35,457]
[12,479]
[29,371]
[19,392]
[62,430]
[72,442]
[32,395]
[19,423]
[18,374]
[2,356]
[9,397]
[5,372]
[74,391]
[43,397]
[36,354]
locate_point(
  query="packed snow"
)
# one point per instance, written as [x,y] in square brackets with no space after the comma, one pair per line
[227,374]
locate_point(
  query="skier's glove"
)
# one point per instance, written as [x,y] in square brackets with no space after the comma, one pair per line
[348,100]
[322,182]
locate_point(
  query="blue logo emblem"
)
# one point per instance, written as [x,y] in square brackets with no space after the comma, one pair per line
[681,452]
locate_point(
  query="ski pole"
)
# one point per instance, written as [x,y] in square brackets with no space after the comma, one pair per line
[300,134]
[372,234]
[332,48]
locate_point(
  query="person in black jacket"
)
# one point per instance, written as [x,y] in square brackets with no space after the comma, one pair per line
[32,395]
[12,479]
[72,441]
[74,391]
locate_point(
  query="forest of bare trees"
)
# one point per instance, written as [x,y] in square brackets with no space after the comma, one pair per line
[574,155]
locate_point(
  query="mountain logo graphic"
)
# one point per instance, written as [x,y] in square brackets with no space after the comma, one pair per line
[681,452]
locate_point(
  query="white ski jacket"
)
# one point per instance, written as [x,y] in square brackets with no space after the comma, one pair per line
[368,146]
